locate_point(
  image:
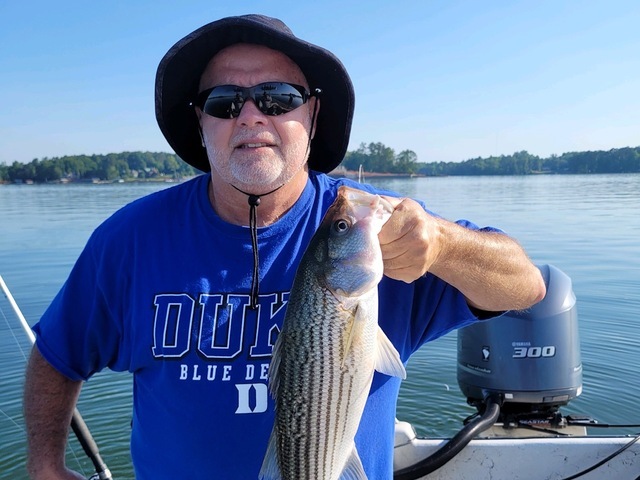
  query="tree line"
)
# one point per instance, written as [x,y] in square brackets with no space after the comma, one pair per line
[376,157]
[617,160]
[110,167]
[373,157]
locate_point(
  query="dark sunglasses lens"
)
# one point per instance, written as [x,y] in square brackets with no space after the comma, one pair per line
[278,98]
[224,101]
[272,98]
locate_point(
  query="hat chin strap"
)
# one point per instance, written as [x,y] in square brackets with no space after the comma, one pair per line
[316,93]
[254,202]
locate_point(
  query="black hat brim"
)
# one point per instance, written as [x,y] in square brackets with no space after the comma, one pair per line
[180,70]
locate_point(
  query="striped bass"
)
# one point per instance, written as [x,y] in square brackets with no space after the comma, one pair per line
[330,344]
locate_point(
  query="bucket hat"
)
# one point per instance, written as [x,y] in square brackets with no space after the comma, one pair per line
[180,70]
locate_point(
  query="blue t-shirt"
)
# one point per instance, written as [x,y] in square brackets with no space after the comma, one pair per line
[162,290]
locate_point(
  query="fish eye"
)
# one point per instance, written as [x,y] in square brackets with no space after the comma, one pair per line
[341,226]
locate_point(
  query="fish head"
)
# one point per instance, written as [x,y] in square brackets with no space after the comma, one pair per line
[347,247]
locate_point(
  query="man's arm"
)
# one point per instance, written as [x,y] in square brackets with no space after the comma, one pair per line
[490,269]
[49,401]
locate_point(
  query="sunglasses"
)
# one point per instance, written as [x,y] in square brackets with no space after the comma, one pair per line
[271,98]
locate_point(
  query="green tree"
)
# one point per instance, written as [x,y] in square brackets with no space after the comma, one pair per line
[353,160]
[406,162]
[381,158]
[48,171]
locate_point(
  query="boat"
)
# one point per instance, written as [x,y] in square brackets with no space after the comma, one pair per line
[515,457]
[518,370]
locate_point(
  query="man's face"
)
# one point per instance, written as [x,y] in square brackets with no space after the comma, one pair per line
[255,152]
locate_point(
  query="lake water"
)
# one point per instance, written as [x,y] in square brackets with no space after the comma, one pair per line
[588,226]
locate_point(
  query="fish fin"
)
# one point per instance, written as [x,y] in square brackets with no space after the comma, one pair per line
[270,469]
[349,339]
[274,366]
[387,357]
[353,470]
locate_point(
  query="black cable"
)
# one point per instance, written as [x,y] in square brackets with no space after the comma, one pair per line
[605,460]
[589,425]
[600,425]
[453,446]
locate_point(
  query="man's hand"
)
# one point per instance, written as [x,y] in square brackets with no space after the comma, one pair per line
[410,240]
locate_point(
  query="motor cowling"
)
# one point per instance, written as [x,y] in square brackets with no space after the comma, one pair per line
[531,358]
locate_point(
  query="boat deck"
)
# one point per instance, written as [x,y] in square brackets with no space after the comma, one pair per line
[524,458]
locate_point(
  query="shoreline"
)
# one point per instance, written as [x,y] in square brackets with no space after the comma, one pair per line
[96,181]
[352,174]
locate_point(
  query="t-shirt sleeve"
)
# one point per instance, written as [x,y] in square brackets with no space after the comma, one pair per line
[80,333]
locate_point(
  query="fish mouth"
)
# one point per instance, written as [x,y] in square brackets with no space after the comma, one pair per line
[365,205]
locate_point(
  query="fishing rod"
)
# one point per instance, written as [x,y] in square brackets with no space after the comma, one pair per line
[78,424]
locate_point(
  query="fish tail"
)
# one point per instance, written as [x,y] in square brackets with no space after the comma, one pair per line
[353,470]
[270,469]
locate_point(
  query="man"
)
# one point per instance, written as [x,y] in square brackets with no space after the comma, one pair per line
[177,290]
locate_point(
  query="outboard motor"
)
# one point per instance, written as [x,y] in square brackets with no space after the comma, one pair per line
[517,369]
[530,359]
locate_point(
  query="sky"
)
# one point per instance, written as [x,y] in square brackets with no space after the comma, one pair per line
[449,80]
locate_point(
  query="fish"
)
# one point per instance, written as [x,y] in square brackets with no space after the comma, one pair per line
[330,343]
